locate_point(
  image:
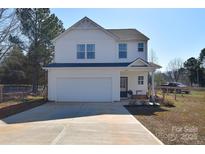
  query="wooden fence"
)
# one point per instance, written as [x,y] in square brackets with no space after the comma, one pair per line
[175,90]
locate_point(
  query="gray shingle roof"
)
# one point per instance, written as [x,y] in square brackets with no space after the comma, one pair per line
[128,34]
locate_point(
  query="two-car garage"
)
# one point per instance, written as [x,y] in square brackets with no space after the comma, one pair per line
[84,89]
[66,85]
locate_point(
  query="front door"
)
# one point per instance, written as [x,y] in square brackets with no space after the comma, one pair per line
[123,86]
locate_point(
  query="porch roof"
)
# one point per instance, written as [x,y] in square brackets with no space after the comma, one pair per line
[140,63]
[88,65]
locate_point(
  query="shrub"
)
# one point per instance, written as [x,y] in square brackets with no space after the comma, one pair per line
[168,103]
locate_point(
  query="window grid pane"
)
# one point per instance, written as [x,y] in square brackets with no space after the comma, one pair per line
[122,50]
[140,47]
[81,51]
[90,51]
[123,47]
[122,54]
[90,47]
[80,55]
[90,55]
[140,80]
[81,48]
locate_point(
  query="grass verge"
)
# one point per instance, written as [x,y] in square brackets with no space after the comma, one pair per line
[182,124]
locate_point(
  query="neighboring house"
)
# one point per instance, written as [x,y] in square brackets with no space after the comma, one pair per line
[94,64]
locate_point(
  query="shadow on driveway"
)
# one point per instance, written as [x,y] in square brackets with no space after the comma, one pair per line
[56,111]
[144,110]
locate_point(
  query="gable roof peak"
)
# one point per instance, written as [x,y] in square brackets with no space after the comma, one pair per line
[86,19]
[117,34]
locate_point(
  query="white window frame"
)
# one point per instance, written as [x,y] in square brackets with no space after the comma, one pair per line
[79,51]
[140,80]
[91,51]
[85,52]
[122,50]
[139,48]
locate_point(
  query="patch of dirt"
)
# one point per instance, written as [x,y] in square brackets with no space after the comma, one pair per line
[6,104]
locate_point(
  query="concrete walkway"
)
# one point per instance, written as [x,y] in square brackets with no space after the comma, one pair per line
[75,123]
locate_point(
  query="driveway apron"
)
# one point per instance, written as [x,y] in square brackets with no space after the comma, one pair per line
[75,123]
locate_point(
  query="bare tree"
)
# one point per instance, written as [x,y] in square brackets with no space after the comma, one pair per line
[153,57]
[8,25]
[175,69]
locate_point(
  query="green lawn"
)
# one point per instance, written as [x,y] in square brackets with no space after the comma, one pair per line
[182,124]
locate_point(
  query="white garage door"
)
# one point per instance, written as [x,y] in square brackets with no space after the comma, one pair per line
[84,89]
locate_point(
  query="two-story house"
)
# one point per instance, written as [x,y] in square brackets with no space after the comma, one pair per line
[94,64]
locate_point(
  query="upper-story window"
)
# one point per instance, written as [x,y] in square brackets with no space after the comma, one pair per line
[122,50]
[90,51]
[86,51]
[140,80]
[140,47]
[81,51]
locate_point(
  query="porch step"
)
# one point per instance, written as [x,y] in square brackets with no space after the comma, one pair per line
[140,97]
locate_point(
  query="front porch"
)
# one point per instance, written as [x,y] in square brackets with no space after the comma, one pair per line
[134,87]
[134,81]
[137,81]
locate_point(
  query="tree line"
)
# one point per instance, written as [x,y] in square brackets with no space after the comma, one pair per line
[25,44]
[191,72]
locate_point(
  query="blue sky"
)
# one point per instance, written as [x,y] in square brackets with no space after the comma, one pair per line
[173,33]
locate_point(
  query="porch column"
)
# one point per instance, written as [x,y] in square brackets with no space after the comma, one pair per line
[153,90]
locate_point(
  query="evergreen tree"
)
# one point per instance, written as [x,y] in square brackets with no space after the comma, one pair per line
[13,68]
[40,27]
[202,56]
[192,65]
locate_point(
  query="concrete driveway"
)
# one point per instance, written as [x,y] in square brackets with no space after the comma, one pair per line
[75,123]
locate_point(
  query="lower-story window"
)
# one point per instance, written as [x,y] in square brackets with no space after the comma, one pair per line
[140,80]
